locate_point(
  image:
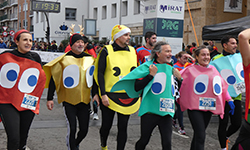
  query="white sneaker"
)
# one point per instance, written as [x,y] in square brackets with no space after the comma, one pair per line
[27,148]
[95,116]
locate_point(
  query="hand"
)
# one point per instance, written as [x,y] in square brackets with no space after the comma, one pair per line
[232,106]
[50,104]
[105,100]
[96,98]
[153,70]
[177,73]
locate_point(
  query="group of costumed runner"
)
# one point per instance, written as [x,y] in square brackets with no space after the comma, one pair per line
[118,86]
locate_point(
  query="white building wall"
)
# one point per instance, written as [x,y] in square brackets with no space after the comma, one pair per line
[58,19]
[104,26]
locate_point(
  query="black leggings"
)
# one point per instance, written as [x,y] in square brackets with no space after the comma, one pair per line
[179,115]
[17,125]
[81,112]
[223,131]
[199,121]
[107,121]
[148,123]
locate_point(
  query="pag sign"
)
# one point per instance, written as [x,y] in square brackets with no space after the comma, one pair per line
[5,33]
[164,27]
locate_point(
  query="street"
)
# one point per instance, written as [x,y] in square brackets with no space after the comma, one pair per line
[49,129]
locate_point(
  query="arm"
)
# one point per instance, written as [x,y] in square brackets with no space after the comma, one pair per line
[244,38]
[140,84]
[101,71]
[51,90]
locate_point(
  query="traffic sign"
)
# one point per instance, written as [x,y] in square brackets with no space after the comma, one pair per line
[5,33]
[5,28]
[12,32]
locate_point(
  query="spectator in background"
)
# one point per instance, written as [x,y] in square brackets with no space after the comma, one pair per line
[2,44]
[193,47]
[211,43]
[144,52]
[61,47]
[53,46]
[187,49]
[212,51]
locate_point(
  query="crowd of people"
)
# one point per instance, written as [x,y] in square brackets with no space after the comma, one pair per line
[201,81]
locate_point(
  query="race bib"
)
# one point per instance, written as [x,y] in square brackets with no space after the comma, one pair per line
[207,103]
[29,102]
[239,87]
[147,58]
[167,105]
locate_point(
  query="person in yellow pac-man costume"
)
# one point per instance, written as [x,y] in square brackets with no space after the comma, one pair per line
[114,62]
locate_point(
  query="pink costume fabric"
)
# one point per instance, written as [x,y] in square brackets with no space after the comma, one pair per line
[203,89]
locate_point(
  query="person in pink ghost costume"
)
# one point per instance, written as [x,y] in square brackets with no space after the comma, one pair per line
[203,92]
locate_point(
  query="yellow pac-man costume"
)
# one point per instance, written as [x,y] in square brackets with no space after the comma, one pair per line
[69,74]
[118,64]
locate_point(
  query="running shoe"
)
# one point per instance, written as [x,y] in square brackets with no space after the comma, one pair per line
[182,132]
[95,116]
[104,148]
[175,124]
[227,143]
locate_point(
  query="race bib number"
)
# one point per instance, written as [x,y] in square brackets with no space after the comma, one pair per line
[207,103]
[147,58]
[239,87]
[167,105]
[29,102]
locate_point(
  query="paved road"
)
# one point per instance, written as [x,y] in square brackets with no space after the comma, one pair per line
[48,132]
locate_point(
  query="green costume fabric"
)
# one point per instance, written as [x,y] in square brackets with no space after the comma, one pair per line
[157,96]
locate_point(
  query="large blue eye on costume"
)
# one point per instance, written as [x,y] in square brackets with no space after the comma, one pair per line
[200,84]
[159,83]
[231,69]
[9,74]
[217,88]
[71,76]
[28,80]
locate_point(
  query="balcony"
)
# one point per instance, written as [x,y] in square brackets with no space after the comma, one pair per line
[13,2]
[31,13]
[13,17]
[5,18]
[5,4]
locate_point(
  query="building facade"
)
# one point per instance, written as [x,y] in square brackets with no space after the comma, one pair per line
[8,15]
[71,13]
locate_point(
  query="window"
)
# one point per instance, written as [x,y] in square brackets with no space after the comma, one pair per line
[136,7]
[104,12]
[20,8]
[37,17]
[125,8]
[42,17]
[25,7]
[113,11]
[20,25]
[95,13]
[70,14]
[25,24]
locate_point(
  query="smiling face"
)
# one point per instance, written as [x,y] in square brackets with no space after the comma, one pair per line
[204,57]
[230,46]
[123,40]
[25,43]
[78,47]
[165,55]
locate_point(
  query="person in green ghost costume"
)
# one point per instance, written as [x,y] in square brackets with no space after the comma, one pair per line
[155,82]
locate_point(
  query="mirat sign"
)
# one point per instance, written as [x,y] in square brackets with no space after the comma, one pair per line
[171,8]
